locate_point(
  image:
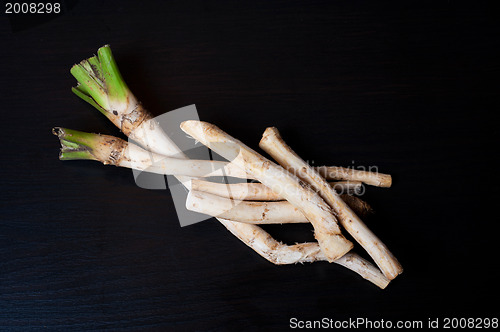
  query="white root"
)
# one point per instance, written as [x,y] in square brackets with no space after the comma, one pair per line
[274,145]
[245,232]
[239,191]
[138,158]
[150,136]
[253,212]
[327,231]
[364,268]
[113,151]
[244,211]
[278,253]
[259,192]
[349,174]
[134,121]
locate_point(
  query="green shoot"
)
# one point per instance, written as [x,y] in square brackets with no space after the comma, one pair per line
[101,84]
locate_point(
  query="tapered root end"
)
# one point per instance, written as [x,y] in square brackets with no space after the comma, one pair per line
[364,268]
[334,246]
[270,132]
[395,270]
[357,205]
[188,125]
[197,129]
[386,181]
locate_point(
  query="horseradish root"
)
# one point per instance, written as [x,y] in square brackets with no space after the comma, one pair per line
[101,85]
[348,174]
[278,253]
[112,150]
[276,147]
[255,212]
[280,197]
[312,206]
[259,192]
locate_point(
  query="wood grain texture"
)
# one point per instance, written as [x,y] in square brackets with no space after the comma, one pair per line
[410,88]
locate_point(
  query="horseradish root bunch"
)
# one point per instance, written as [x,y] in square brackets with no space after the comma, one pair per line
[286,190]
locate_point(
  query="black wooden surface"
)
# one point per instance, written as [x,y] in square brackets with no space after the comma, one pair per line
[411,88]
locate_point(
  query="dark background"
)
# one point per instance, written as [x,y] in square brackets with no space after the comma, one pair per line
[411,88]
